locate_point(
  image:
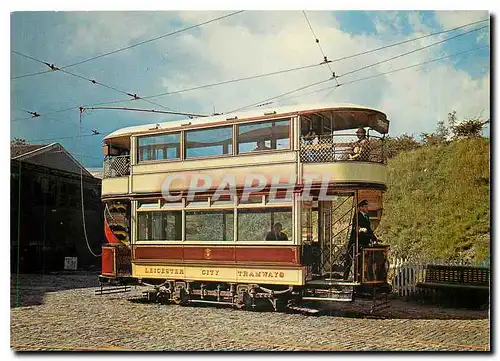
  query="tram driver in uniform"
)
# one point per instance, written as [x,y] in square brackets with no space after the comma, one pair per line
[365,237]
[275,233]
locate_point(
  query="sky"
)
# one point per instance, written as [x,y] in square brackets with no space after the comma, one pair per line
[241,45]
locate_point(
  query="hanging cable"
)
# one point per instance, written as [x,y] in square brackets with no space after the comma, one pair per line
[411,52]
[134,96]
[385,73]
[134,45]
[81,193]
[261,75]
[364,67]
[325,59]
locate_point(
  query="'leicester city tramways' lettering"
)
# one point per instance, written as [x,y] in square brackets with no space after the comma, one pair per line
[261,274]
[164,271]
[209,272]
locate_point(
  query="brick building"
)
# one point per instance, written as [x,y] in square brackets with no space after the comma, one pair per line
[45,185]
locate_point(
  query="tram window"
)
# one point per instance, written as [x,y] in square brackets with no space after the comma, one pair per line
[255,224]
[210,225]
[209,142]
[159,147]
[159,226]
[252,199]
[269,135]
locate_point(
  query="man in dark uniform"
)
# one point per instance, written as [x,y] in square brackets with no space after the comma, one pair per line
[365,237]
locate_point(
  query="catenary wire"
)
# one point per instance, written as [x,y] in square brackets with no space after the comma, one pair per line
[263,75]
[325,59]
[292,69]
[385,73]
[360,69]
[136,44]
[95,82]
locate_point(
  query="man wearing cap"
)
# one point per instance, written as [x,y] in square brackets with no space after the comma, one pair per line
[365,236]
[360,148]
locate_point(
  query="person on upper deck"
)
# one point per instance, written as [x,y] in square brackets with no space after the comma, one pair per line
[360,147]
[275,233]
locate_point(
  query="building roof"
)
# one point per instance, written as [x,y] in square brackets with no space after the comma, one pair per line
[259,112]
[48,155]
[17,150]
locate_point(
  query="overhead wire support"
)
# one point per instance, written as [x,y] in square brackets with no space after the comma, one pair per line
[362,68]
[334,76]
[81,110]
[261,75]
[146,110]
[134,96]
[386,73]
[325,59]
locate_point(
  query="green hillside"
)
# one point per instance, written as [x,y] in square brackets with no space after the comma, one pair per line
[437,204]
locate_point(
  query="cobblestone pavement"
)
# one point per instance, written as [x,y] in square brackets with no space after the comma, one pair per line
[62,313]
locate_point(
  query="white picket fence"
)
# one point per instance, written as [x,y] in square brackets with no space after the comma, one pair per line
[404,274]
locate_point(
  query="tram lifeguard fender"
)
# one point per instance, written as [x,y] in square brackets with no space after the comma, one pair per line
[110,236]
[108,261]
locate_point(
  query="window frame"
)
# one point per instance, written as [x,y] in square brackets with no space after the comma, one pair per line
[149,161]
[159,205]
[185,142]
[265,151]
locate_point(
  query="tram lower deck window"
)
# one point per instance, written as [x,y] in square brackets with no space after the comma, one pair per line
[210,226]
[255,224]
[159,226]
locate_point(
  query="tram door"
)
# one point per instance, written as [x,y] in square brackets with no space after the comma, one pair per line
[335,228]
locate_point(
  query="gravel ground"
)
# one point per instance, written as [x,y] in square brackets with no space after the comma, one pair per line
[61,312]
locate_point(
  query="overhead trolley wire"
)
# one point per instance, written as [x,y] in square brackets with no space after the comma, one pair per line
[71,137]
[134,45]
[325,59]
[407,41]
[134,96]
[289,70]
[385,73]
[359,69]
[412,51]
[266,74]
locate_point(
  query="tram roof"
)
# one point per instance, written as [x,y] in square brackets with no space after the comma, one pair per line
[260,112]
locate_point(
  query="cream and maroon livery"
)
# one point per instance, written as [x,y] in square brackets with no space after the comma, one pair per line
[137,165]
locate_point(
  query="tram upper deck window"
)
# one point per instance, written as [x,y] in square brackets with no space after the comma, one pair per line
[268,135]
[159,147]
[209,142]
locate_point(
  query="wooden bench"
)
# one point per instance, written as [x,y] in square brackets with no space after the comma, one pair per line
[451,280]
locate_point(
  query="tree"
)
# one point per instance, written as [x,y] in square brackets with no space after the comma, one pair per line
[19,141]
[402,143]
[470,128]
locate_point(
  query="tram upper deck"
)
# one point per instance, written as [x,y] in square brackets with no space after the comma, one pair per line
[292,143]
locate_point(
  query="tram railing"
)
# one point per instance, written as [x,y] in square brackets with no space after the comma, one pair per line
[117,166]
[341,148]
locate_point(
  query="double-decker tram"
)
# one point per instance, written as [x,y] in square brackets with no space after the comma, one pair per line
[273,206]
